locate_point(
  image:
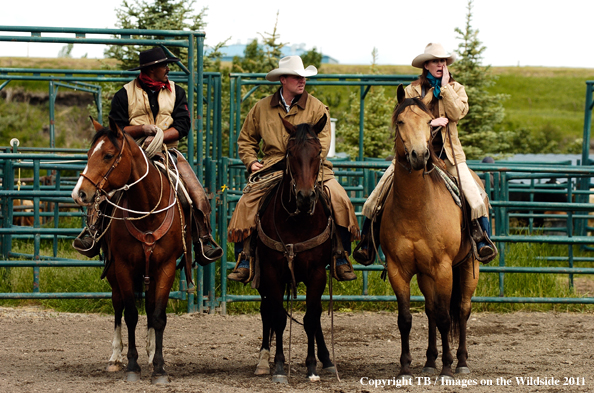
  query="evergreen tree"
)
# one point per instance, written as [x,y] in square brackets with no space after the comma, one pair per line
[377,137]
[154,15]
[477,130]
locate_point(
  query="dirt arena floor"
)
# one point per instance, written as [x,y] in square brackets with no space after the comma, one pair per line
[46,351]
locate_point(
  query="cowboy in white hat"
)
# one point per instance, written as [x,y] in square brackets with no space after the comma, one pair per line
[263,123]
[448,102]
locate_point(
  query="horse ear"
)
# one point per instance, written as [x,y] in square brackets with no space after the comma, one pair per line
[96,124]
[288,126]
[400,93]
[320,124]
[114,127]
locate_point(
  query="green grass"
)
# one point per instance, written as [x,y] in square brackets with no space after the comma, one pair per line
[55,279]
[547,100]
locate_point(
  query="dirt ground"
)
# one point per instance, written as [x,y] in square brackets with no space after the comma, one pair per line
[46,351]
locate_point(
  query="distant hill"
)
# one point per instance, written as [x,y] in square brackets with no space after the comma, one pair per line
[543,100]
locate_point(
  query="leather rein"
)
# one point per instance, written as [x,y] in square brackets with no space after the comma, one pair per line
[290,251]
[148,239]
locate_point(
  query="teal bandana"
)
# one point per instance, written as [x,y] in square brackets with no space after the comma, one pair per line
[435,83]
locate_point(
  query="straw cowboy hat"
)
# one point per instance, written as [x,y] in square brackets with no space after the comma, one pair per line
[291,65]
[153,57]
[433,51]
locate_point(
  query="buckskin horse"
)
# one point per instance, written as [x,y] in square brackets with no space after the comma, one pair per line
[294,245]
[422,233]
[143,240]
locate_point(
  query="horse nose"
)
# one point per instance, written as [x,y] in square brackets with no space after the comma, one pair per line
[305,195]
[419,160]
[304,199]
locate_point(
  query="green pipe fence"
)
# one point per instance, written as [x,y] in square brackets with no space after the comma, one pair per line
[359,178]
[204,97]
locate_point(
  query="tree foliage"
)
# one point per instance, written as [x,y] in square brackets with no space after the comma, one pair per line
[154,15]
[377,135]
[477,130]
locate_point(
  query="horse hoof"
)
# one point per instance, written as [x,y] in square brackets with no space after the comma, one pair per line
[314,378]
[160,380]
[405,378]
[330,370]
[279,378]
[429,370]
[462,370]
[132,376]
[443,379]
[113,367]
[262,371]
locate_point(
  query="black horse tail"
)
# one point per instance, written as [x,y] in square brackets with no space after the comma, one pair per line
[455,303]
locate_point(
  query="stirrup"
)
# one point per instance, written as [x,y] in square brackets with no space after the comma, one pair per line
[364,253]
[241,257]
[90,250]
[201,257]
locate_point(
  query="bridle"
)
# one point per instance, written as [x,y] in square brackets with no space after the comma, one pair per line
[293,185]
[406,152]
[126,187]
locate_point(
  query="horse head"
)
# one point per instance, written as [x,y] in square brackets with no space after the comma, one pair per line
[304,161]
[107,152]
[411,120]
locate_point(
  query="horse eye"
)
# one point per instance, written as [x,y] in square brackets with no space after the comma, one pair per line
[108,157]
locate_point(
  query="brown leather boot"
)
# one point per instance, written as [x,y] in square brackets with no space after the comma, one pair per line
[86,245]
[345,273]
[241,274]
[365,252]
[206,250]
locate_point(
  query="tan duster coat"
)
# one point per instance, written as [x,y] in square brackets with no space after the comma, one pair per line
[263,124]
[454,106]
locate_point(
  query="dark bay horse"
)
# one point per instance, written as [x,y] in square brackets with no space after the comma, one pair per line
[143,239]
[421,233]
[294,230]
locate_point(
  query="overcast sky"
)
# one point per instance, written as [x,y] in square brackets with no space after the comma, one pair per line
[515,32]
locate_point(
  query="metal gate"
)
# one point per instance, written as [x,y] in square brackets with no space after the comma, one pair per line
[204,92]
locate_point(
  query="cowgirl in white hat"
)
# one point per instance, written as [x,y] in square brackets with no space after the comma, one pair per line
[263,123]
[448,102]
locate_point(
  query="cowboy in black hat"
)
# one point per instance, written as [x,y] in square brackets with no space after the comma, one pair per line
[153,106]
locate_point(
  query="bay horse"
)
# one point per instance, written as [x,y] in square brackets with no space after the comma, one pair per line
[141,244]
[421,233]
[294,245]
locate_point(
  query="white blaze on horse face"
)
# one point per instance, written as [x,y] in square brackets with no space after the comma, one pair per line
[151,342]
[74,194]
[76,189]
[97,148]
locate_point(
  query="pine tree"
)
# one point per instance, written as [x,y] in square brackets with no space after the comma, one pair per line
[377,137]
[155,15]
[477,130]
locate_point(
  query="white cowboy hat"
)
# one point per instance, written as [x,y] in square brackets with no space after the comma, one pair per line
[291,65]
[433,51]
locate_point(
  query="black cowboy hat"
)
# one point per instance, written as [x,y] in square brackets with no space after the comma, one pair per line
[152,57]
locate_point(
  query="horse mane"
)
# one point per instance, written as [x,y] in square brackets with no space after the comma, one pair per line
[434,160]
[105,131]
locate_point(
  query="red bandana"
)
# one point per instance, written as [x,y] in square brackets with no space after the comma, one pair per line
[153,84]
